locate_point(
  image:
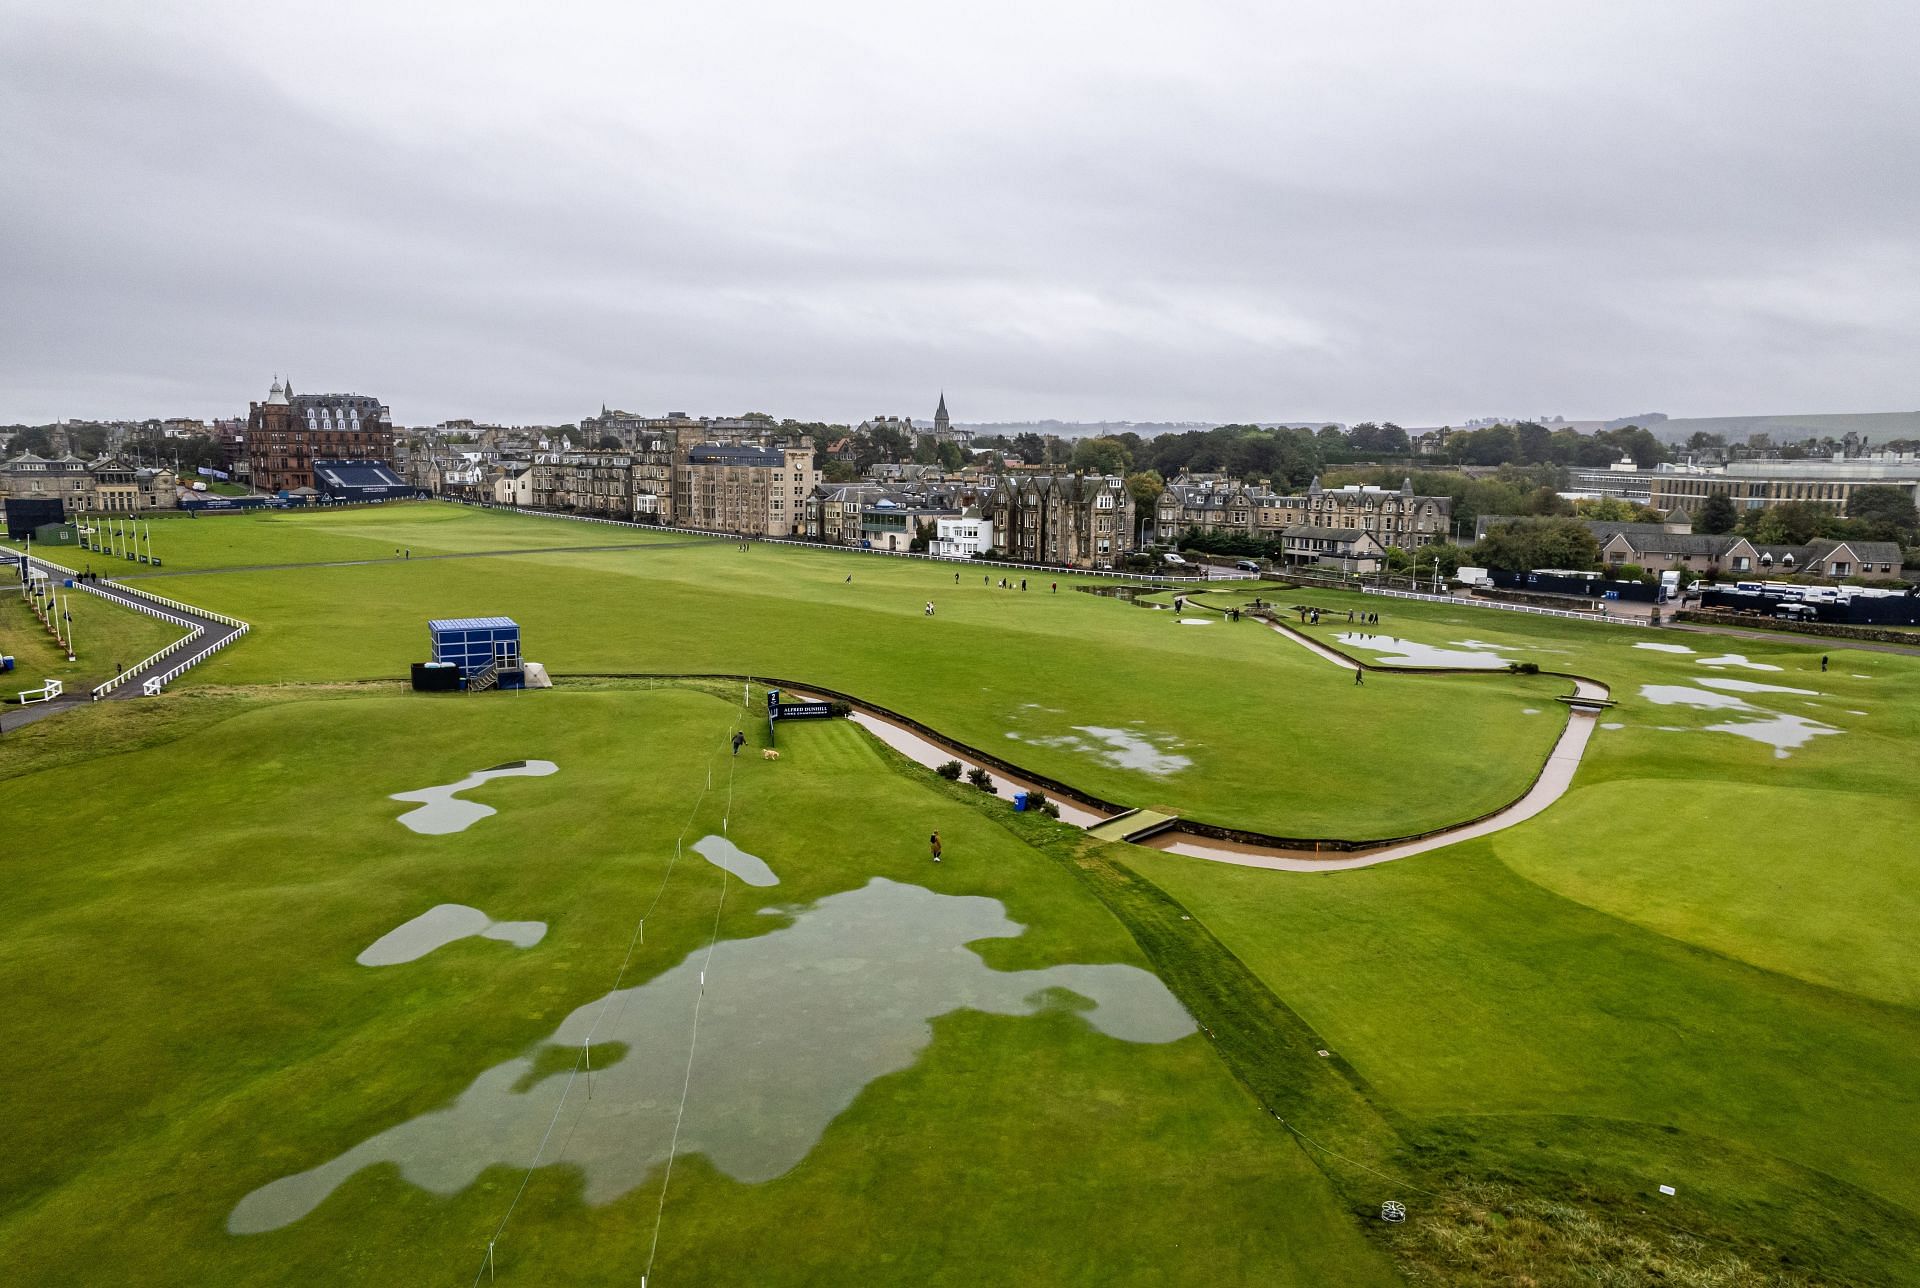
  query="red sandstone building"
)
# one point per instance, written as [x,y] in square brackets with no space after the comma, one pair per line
[289,431]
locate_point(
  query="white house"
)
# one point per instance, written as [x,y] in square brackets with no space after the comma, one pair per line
[962,538]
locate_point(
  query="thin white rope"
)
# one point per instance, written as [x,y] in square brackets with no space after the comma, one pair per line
[573,1074]
[693,1039]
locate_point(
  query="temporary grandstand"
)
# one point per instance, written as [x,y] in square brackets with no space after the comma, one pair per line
[359,480]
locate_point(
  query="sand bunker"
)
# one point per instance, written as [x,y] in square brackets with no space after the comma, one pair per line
[1665,648]
[441,925]
[1734,659]
[795,1024]
[1398,652]
[722,853]
[1196,621]
[442,812]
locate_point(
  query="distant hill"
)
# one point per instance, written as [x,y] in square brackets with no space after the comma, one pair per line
[1875,426]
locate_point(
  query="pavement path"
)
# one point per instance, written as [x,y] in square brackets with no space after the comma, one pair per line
[214,634]
[1556,776]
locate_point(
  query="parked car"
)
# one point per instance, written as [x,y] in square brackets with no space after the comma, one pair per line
[1175,560]
[1246,565]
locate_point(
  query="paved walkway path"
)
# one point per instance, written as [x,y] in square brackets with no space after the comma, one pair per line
[214,634]
[1555,778]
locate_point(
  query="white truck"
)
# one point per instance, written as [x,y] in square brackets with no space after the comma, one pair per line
[1472,577]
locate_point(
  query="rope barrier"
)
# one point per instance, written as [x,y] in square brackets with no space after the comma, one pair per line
[583,1060]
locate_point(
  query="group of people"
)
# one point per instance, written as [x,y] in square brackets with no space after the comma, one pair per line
[403,552]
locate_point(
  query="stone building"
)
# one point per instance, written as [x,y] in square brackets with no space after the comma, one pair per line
[1079,520]
[746,488]
[656,455]
[598,483]
[288,431]
[1215,503]
[108,485]
[39,478]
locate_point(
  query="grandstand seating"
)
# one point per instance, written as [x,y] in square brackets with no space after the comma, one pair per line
[358,480]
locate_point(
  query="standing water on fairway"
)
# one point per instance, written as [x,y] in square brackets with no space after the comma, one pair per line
[441,811]
[1408,653]
[796,1023]
[441,925]
[722,853]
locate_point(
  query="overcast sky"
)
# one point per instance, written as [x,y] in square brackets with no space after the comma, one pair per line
[1104,210]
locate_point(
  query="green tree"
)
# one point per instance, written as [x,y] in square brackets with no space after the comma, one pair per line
[1795,522]
[1717,515]
[1885,513]
[951,457]
[1102,456]
[1524,544]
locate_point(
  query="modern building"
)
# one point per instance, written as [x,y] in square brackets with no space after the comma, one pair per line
[966,537]
[286,432]
[1752,484]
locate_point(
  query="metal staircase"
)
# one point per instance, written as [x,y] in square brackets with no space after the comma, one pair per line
[485,678]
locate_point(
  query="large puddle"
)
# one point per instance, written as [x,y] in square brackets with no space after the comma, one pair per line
[1121,748]
[722,853]
[1398,652]
[1780,731]
[441,925]
[441,811]
[794,1024]
[1734,659]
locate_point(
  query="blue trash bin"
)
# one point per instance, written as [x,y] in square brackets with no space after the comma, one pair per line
[1019,802]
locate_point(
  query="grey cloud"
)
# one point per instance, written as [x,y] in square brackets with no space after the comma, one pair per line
[1088,214]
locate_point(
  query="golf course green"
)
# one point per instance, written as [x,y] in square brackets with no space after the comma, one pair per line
[1077,1062]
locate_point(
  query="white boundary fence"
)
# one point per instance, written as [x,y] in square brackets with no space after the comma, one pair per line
[194,630]
[1505,608]
[1056,570]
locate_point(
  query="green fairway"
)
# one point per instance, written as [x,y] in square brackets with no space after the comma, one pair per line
[1225,722]
[230,1038]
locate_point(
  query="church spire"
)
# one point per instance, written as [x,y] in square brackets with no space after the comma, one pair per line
[940,414]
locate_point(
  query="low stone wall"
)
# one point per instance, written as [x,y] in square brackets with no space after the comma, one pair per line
[1829,630]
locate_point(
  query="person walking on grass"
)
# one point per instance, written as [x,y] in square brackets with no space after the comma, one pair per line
[1823,661]
[1359,677]
[739,741]
[929,608]
[934,842]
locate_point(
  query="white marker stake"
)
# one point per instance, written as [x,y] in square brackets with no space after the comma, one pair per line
[489,1260]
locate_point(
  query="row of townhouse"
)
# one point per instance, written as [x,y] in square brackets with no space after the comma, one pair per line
[774,490]
[1662,547]
[1308,525]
